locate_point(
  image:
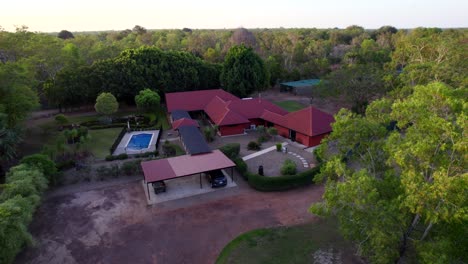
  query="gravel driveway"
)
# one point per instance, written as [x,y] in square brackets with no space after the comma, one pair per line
[114,225]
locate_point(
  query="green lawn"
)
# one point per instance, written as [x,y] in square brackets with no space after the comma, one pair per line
[101,141]
[296,244]
[289,106]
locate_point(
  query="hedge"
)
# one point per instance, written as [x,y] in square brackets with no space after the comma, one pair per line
[22,191]
[281,183]
[231,150]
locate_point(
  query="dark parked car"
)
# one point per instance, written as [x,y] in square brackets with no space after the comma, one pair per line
[159,187]
[217,178]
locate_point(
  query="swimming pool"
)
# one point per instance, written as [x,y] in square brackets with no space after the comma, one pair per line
[139,141]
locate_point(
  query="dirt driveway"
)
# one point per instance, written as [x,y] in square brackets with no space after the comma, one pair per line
[114,225]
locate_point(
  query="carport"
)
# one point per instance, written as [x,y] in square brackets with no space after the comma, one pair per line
[186,165]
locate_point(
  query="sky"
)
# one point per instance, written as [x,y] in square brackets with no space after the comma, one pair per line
[96,15]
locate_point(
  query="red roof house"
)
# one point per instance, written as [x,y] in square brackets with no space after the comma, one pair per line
[195,100]
[307,126]
[233,115]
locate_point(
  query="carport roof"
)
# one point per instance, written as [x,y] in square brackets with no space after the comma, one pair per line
[165,169]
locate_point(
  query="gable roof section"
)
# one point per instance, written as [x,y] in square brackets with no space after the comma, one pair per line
[221,115]
[309,121]
[195,100]
[184,122]
[193,140]
[254,108]
[274,118]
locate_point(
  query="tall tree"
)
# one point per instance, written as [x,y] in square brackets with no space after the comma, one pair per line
[65,34]
[244,71]
[106,104]
[403,187]
[147,100]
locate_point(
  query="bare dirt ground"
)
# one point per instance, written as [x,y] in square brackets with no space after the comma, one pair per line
[114,225]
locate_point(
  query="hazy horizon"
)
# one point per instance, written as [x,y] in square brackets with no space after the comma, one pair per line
[53,15]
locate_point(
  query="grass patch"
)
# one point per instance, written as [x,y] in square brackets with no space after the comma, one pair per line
[296,244]
[289,106]
[102,140]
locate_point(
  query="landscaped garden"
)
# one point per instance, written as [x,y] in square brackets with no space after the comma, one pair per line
[315,242]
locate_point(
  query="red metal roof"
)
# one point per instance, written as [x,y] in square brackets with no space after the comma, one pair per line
[195,100]
[309,121]
[221,115]
[184,122]
[253,108]
[274,118]
[165,169]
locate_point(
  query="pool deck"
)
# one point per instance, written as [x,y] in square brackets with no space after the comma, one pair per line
[122,147]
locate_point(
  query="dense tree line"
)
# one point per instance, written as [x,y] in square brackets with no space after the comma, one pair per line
[396,174]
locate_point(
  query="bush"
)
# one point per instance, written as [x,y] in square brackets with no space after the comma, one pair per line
[61,119]
[263,138]
[210,133]
[280,183]
[43,163]
[22,191]
[231,150]
[169,149]
[118,157]
[130,167]
[279,147]
[253,145]
[241,167]
[272,131]
[147,154]
[288,168]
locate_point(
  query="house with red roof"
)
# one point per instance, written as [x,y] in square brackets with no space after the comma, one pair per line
[233,115]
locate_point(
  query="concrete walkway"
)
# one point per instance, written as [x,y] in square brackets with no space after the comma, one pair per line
[303,160]
[261,152]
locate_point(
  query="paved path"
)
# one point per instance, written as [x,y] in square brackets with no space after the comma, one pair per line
[261,152]
[303,160]
[114,225]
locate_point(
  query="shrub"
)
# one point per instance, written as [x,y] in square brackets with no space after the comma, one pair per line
[241,167]
[231,150]
[272,131]
[169,149]
[288,168]
[209,133]
[43,163]
[263,138]
[23,188]
[280,183]
[61,119]
[147,154]
[253,145]
[130,167]
[279,147]
[121,156]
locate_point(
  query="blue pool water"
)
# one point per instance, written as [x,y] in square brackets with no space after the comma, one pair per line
[139,141]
